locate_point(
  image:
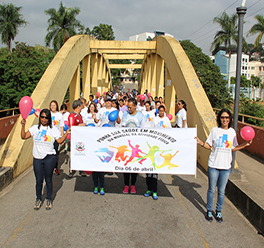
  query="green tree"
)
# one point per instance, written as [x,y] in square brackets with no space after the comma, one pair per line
[257,28]
[62,25]
[208,74]
[247,107]
[103,32]
[20,71]
[227,34]
[244,82]
[10,21]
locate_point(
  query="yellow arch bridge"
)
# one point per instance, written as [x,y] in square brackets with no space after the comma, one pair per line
[165,71]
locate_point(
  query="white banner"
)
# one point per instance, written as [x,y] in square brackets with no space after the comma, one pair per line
[138,150]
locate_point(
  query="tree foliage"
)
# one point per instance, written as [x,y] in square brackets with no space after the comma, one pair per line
[247,107]
[257,28]
[20,72]
[10,21]
[62,25]
[103,32]
[208,74]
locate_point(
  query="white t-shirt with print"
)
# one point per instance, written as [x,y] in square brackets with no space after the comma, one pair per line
[162,122]
[102,116]
[141,108]
[222,142]
[57,120]
[44,138]
[88,118]
[149,118]
[180,117]
[136,120]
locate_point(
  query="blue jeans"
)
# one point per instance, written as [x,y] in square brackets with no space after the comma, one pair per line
[220,178]
[43,168]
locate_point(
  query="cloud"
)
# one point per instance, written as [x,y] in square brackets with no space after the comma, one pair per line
[180,18]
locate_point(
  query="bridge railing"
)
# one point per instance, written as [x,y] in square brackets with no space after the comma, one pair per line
[11,110]
[243,116]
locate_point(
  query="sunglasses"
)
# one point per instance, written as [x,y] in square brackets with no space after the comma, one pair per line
[224,117]
[44,117]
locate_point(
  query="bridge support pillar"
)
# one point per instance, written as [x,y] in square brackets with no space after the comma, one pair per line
[94,70]
[160,77]
[153,82]
[170,95]
[86,67]
[75,86]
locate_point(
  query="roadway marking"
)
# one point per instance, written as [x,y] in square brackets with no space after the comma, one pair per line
[19,228]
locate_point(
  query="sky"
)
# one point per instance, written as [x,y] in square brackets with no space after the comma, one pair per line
[184,19]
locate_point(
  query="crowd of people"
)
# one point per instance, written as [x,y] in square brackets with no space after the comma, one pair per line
[134,110]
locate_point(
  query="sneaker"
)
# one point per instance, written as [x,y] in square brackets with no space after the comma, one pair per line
[57,172]
[48,204]
[209,216]
[37,204]
[102,191]
[96,190]
[125,191]
[218,216]
[155,196]
[71,174]
[148,193]
[133,189]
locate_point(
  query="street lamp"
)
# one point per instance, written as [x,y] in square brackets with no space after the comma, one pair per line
[241,11]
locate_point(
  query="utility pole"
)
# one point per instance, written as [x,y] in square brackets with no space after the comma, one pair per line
[241,11]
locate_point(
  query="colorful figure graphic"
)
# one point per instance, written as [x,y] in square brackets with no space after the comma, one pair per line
[54,122]
[167,161]
[47,138]
[151,155]
[135,153]
[121,153]
[108,157]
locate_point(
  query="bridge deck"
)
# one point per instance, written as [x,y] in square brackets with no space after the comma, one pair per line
[81,219]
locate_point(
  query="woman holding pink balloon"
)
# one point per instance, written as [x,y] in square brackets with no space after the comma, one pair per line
[44,154]
[222,141]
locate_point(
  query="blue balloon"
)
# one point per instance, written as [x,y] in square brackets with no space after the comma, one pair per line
[157,111]
[32,111]
[66,127]
[90,125]
[95,101]
[113,115]
[106,125]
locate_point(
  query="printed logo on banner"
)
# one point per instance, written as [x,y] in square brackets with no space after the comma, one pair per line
[79,148]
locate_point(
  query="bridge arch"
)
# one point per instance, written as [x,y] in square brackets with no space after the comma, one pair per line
[163,53]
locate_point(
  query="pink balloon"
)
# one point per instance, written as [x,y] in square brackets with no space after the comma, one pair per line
[66,123]
[37,112]
[169,116]
[69,136]
[247,133]
[98,93]
[104,93]
[149,95]
[142,97]
[25,106]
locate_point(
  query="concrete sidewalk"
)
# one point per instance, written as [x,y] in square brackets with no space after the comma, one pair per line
[81,219]
[245,189]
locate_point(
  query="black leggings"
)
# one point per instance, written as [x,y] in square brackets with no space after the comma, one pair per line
[133,178]
[56,147]
[152,182]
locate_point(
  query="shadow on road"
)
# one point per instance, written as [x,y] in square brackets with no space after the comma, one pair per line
[187,189]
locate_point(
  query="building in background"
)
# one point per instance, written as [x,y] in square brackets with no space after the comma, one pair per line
[147,36]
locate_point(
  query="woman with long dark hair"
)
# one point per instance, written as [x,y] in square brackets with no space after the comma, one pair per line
[181,116]
[57,122]
[222,140]
[44,154]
